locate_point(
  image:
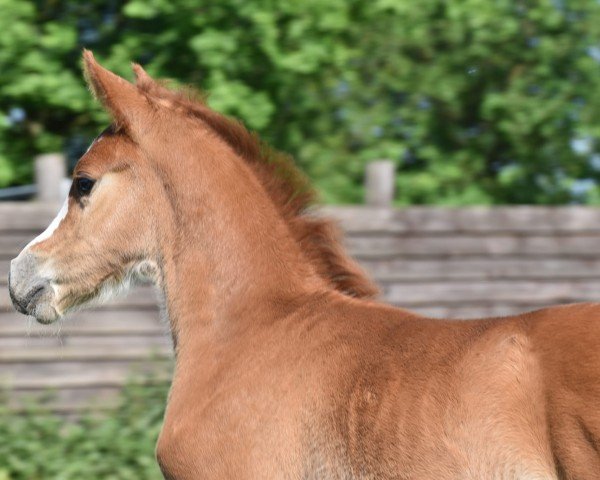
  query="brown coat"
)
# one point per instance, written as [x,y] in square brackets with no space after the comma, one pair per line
[286,367]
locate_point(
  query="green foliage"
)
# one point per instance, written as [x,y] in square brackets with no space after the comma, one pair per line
[37,445]
[477,102]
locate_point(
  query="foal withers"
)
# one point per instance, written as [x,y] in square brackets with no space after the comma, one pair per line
[285,368]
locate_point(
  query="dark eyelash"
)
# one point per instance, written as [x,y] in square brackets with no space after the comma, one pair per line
[83,186]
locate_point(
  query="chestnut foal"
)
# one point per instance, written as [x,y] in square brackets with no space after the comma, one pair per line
[285,366]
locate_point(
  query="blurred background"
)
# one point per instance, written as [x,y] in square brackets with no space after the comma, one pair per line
[475,101]
[456,141]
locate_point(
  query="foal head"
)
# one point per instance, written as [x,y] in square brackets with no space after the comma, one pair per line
[110,231]
[104,236]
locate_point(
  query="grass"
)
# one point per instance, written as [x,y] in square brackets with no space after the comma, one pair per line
[38,445]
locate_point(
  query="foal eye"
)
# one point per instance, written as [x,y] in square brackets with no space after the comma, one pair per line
[84,185]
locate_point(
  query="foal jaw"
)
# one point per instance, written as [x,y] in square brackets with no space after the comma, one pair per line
[36,295]
[115,285]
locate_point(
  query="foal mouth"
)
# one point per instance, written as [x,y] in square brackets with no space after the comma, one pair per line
[31,292]
[36,303]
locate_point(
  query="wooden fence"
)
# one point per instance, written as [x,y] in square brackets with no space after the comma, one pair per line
[459,263]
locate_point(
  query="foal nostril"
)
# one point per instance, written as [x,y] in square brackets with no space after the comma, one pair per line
[25,285]
[35,293]
[25,303]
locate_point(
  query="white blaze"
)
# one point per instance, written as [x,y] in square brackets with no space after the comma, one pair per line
[98,139]
[46,234]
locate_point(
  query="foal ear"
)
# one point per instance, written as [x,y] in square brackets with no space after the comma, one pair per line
[142,79]
[147,84]
[124,101]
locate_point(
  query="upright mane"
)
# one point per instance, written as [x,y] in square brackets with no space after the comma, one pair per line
[288,188]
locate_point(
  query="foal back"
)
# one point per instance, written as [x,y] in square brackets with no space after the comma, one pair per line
[567,342]
[431,399]
[509,398]
[359,390]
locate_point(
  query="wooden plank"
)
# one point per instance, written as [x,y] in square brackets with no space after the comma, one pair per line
[36,216]
[424,278]
[27,376]
[69,400]
[448,268]
[111,342]
[466,219]
[50,170]
[87,353]
[66,399]
[467,311]
[4,268]
[389,247]
[73,400]
[67,408]
[26,216]
[117,379]
[12,243]
[84,395]
[497,292]
[379,183]
[86,323]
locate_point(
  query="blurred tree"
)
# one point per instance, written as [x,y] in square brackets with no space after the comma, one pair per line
[478,102]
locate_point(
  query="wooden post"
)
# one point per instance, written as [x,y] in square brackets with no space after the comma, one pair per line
[379,183]
[50,170]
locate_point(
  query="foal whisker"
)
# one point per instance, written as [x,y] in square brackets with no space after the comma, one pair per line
[29,326]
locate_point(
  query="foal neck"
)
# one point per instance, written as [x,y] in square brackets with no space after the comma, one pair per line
[229,262]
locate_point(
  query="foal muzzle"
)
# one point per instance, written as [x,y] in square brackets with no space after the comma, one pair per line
[31,294]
